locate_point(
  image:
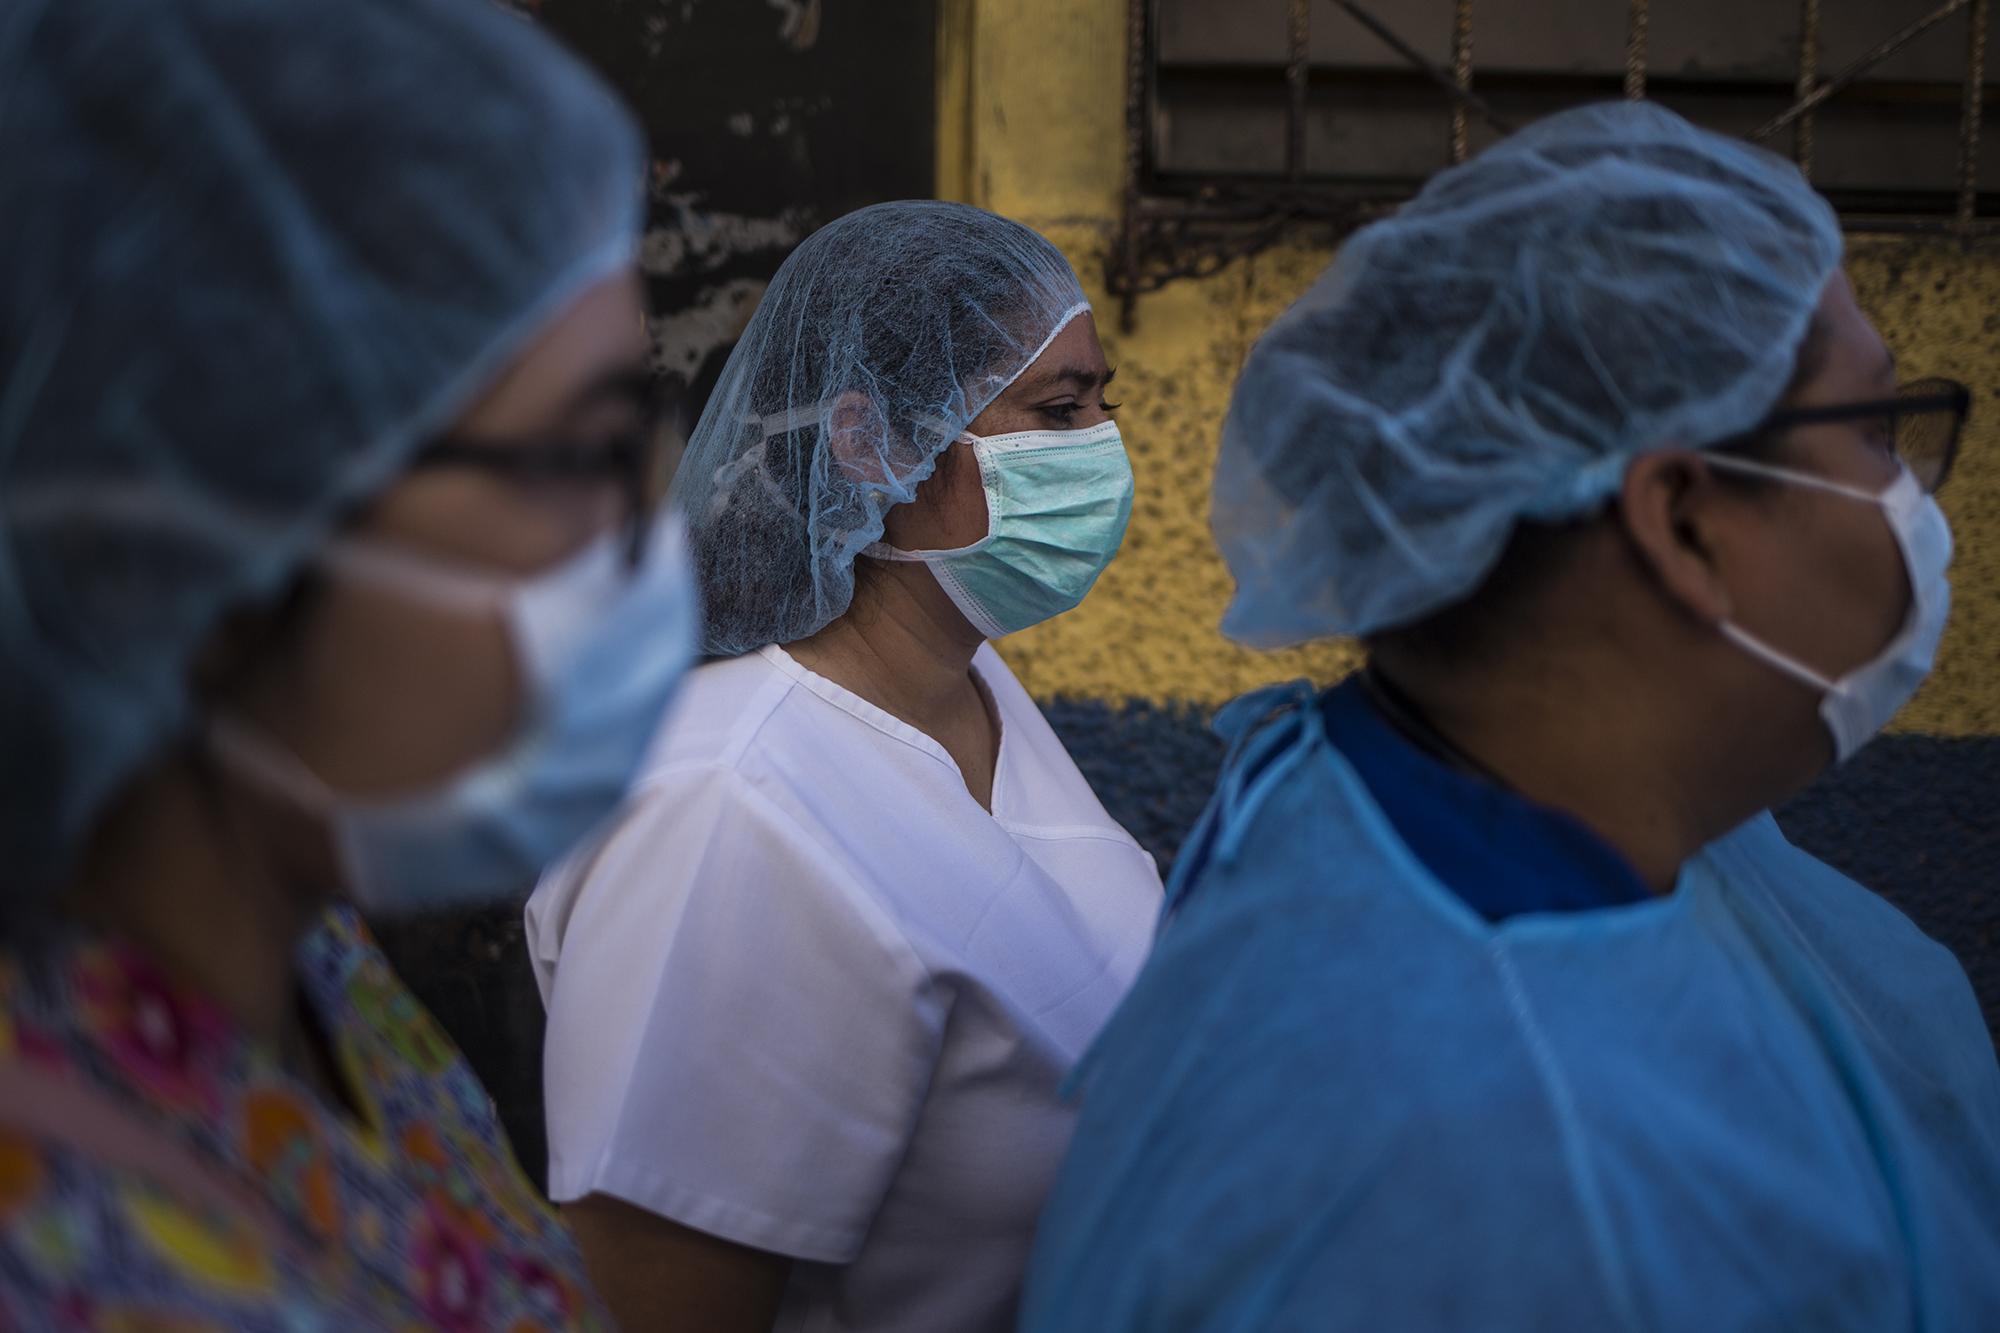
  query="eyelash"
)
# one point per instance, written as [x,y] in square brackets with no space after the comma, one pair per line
[1064,411]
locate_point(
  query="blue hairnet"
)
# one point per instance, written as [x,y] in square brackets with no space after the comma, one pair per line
[1608,281]
[250,256]
[880,338]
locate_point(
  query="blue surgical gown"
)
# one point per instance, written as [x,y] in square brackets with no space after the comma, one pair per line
[1339,1098]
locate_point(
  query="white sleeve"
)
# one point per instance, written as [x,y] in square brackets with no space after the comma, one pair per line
[739,1039]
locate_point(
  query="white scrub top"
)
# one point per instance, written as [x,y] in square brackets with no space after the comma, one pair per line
[809,996]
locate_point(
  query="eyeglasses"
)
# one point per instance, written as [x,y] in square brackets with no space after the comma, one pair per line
[1923,422]
[639,460]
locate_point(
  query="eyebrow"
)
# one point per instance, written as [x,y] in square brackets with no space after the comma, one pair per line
[1081,376]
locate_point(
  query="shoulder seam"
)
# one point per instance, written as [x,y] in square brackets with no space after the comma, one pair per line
[745,789]
[730,757]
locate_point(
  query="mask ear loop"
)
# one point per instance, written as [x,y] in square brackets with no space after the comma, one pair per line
[1770,656]
[432,581]
[264,763]
[1757,648]
[271,766]
[258,757]
[1731,463]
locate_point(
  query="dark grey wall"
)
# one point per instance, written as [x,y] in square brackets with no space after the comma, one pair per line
[766,118]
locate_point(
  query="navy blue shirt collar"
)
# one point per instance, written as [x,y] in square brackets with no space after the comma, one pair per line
[1501,853]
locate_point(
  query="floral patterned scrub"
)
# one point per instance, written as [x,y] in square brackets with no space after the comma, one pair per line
[414,1217]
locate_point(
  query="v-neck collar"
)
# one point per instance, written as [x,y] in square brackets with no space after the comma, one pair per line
[882,720]
[1499,852]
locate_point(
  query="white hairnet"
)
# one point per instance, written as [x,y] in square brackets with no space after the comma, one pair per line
[881,337]
[251,255]
[1610,280]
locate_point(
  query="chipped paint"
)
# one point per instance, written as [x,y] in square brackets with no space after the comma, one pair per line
[799,29]
[701,242]
[714,321]
[653,34]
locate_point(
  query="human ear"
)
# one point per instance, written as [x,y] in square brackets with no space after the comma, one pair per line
[857,441]
[950,510]
[1675,513]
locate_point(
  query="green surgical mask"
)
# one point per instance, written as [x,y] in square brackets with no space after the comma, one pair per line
[1057,502]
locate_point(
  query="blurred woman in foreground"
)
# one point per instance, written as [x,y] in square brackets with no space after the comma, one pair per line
[327,575]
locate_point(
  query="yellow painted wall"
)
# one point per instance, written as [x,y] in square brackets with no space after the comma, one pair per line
[1031,116]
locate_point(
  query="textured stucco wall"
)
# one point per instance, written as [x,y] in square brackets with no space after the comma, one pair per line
[1031,117]
[1150,629]
[1937,303]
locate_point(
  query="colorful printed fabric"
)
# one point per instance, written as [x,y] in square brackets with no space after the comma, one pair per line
[413,1216]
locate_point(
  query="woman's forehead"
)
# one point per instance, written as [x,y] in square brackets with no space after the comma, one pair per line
[1073,356]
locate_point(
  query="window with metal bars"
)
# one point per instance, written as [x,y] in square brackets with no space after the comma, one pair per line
[1245,117]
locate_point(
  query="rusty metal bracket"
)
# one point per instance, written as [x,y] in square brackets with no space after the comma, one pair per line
[1461,94]
[1852,73]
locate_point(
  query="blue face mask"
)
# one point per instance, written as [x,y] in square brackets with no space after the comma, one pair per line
[1057,503]
[601,648]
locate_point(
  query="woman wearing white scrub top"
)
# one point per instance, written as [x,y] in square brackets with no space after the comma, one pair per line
[811,999]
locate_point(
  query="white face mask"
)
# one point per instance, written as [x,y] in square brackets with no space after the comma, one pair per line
[1859,704]
[1057,504]
[600,648]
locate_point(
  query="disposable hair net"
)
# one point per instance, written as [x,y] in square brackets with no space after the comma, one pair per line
[1608,281]
[880,338]
[250,256]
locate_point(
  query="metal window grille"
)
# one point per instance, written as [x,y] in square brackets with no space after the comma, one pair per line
[1246,119]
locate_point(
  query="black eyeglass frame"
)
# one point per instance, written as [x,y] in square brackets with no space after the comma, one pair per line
[1918,398]
[630,458]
